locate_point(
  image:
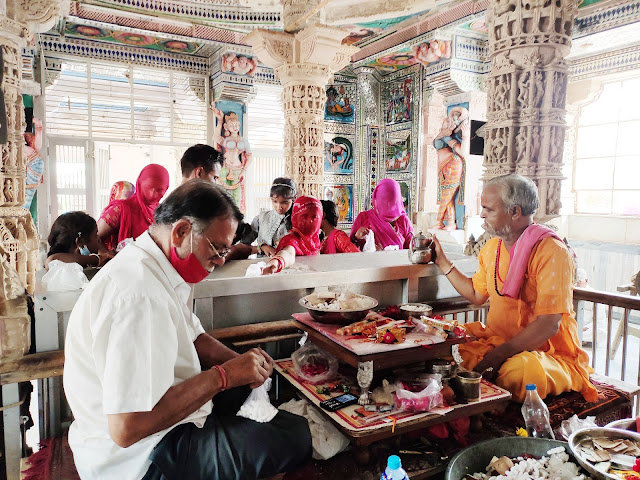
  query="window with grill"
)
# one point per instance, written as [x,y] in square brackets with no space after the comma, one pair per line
[607,164]
[105,122]
[265,131]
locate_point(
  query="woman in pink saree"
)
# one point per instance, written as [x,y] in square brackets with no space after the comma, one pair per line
[387,219]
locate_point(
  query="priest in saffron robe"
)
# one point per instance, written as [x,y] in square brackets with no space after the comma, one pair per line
[526,273]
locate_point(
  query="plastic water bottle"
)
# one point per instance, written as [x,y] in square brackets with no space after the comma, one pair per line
[536,414]
[394,470]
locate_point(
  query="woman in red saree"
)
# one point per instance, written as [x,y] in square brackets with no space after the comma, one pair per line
[303,237]
[335,240]
[387,219]
[130,218]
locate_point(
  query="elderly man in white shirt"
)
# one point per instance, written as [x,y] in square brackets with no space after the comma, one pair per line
[141,373]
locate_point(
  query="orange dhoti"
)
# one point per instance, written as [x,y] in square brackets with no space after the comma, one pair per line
[560,365]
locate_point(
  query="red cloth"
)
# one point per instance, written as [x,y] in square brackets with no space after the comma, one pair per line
[121,191]
[131,217]
[305,220]
[338,242]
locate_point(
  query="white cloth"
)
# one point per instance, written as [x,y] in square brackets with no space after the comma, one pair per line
[130,337]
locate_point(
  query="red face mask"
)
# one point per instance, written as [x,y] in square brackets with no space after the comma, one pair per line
[190,268]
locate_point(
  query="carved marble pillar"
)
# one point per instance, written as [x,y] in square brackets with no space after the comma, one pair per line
[528,42]
[304,63]
[18,238]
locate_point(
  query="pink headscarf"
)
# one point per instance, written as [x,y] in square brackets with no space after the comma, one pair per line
[387,200]
[303,236]
[387,207]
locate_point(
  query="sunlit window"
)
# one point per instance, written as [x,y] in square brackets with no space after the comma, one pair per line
[607,165]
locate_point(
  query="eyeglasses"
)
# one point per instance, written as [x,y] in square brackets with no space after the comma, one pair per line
[218,254]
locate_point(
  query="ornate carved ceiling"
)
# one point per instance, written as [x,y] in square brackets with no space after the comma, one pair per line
[389,33]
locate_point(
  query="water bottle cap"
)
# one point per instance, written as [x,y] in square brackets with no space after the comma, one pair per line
[531,386]
[394,462]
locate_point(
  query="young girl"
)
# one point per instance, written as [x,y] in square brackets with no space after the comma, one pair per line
[74,238]
[335,240]
[270,226]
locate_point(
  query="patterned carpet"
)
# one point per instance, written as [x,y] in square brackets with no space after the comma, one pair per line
[430,447]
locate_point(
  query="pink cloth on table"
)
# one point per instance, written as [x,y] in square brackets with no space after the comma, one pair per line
[519,257]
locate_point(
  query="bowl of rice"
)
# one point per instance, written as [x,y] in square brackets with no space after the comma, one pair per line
[415,309]
[339,308]
[529,458]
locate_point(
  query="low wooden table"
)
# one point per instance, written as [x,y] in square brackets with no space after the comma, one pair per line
[364,430]
[368,356]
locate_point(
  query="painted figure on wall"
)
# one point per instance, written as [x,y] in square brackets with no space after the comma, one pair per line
[238,64]
[342,196]
[236,152]
[433,51]
[338,155]
[35,162]
[399,107]
[338,107]
[398,156]
[451,165]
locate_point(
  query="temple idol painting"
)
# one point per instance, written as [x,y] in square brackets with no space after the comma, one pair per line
[130,38]
[342,196]
[235,149]
[338,154]
[339,107]
[405,191]
[451,164]
[393,61]
[239,64]
[398,151]
[400,97]
[432,51]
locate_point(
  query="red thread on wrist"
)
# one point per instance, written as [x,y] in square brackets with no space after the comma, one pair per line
[223,377]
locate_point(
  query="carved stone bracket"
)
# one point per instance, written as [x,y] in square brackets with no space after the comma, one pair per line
[304,63]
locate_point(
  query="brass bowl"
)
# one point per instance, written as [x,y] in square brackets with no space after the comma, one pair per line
[580,436]
[624,424]
[341,317]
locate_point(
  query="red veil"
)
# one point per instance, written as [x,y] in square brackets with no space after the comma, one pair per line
[132,217]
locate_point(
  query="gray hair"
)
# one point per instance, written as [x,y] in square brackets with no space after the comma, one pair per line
[516,190]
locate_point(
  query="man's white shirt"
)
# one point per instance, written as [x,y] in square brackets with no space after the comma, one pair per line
[129,339]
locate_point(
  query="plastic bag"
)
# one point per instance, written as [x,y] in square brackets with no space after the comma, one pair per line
[326,439]
[257,406]
[422,401]
[313,364]
[64,276]
[573,424]
[369,242]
